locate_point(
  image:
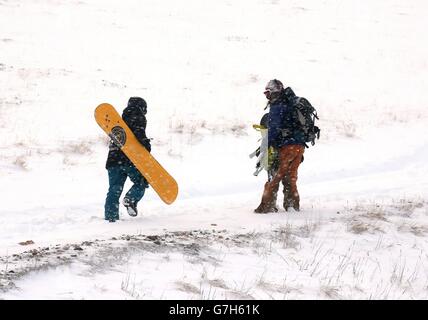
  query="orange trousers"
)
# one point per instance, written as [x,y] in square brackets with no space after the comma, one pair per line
[290,157]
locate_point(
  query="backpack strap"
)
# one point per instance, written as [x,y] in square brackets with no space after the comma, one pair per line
[300,115]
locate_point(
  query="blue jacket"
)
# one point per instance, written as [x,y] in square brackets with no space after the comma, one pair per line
[284,128]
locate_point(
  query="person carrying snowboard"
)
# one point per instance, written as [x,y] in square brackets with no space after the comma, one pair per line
[119,167]
[286,139]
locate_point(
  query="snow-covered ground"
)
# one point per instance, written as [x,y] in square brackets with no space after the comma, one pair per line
[202,66]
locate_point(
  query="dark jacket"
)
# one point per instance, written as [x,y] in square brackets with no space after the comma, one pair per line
[284,128]
[134,117]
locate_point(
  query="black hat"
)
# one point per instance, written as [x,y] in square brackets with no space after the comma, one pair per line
[273,90]
[274,86]
[139,103]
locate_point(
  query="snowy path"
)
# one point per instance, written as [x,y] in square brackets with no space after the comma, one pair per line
[347,212]
[74,211]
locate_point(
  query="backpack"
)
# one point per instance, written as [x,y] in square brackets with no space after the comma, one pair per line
[307,115]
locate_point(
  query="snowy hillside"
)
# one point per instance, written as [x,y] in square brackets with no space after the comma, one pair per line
[202,67]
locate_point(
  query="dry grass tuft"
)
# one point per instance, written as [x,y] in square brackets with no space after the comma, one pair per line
[330,292]
[81,147]
[218,283]
[357,226]
[286,236]
[406,207]
[417,230]
[187,287]
[22,162]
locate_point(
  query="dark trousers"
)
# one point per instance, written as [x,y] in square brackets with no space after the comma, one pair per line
[117,176]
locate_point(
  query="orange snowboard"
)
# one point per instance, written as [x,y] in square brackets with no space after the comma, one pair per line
[160,180]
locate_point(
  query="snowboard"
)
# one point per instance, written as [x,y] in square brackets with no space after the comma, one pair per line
[112,123]
[262,151]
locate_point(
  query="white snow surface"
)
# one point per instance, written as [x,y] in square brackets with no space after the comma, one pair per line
[202,66]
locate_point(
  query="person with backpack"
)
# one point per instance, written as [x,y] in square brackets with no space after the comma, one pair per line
[119,167]
[290,127]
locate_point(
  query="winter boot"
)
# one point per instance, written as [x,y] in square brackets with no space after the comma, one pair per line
[268,203]
[131,207]
[263,208]
[295,202]
[266,207]
[112,218]
[287,203]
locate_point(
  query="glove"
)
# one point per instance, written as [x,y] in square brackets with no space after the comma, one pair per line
[272,156]
[146,144]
